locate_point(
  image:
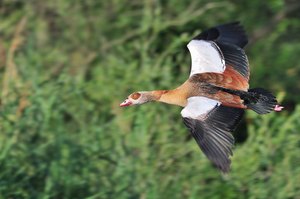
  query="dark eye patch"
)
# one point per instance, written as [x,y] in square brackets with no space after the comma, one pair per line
[135,96]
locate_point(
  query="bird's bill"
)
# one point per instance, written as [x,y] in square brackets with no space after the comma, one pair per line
[127,102]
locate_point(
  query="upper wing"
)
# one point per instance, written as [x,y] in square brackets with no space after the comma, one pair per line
[211,125]
[218,47]
[232,33]
[206,57]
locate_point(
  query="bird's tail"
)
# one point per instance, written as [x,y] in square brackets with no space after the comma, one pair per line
[261,101]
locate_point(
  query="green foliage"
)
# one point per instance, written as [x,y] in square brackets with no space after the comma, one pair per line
[65,66]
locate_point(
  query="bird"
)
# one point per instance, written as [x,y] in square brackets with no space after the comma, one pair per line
[216,93]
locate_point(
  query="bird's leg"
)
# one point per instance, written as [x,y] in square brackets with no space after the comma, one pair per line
[278,108]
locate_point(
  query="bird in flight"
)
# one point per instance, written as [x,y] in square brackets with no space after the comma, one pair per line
[216,93]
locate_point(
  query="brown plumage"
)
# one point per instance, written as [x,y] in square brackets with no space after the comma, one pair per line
[216,93]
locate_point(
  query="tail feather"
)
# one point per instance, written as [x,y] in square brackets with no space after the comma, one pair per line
[260,101]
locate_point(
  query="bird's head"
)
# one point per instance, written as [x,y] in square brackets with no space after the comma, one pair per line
[137,98]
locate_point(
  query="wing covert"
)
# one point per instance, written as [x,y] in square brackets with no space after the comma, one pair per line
[206,57]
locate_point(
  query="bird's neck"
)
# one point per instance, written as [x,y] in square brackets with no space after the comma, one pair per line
[175,97]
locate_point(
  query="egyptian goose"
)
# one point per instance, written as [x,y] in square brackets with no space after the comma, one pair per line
[216,93]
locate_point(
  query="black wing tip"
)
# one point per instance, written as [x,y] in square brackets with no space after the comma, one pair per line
[225,168]
[232,32]
[222,162]
[213,134]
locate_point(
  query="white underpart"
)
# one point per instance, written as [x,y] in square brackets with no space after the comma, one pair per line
[198,107]
[206,57]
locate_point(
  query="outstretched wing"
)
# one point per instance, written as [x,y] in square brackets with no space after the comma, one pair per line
[211,125]
[217,48]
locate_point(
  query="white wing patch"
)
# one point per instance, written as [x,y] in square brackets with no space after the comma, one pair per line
[198,106]
[206,57]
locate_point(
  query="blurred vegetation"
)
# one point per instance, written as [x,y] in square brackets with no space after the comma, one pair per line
[65,65]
